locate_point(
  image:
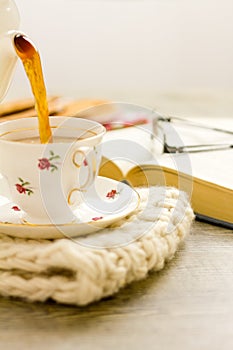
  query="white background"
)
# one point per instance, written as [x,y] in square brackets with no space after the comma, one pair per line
[130,50]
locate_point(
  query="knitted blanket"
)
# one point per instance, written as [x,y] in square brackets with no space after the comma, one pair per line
[80,271]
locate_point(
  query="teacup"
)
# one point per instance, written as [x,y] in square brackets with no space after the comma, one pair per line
[46,180]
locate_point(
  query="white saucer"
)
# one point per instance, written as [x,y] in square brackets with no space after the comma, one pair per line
[106,202]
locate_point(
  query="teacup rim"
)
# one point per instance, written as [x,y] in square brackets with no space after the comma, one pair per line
[59,118]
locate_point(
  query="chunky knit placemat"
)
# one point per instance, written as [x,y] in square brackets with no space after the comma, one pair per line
[86,269]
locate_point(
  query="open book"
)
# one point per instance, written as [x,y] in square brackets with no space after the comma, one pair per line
[207,177]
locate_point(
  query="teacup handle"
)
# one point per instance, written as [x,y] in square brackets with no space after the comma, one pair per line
[79,159]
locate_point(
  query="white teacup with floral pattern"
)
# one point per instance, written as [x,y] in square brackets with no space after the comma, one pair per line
[45,180]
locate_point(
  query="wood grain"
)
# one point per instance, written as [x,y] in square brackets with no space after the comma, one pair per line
[188,305]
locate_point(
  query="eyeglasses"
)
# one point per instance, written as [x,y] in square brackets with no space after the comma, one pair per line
[159,132]
[121,115]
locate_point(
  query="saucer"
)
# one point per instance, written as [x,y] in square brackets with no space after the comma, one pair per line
[104,203]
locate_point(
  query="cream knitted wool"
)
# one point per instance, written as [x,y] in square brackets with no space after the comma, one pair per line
[87,269]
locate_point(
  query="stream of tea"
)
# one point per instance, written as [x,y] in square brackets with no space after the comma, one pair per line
[30,58]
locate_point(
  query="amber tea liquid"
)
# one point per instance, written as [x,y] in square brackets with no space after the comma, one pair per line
[32,65]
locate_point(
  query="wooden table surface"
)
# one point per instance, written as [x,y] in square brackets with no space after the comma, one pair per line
[188,305]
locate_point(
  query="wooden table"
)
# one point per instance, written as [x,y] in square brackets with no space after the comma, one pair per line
[188,305]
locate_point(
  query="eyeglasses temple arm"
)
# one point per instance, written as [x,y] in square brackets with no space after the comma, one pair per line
[189,122]
[195,148]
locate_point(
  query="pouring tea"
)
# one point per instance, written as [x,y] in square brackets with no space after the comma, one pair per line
[45,179]
[30,57]
[14,44]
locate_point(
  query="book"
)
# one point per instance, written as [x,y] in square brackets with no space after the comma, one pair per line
[206,177]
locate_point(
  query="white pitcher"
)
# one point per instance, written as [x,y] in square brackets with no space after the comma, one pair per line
[9,24]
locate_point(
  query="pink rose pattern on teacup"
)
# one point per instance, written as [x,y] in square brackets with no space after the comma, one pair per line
[23,187]
[43,164]
[48,163]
